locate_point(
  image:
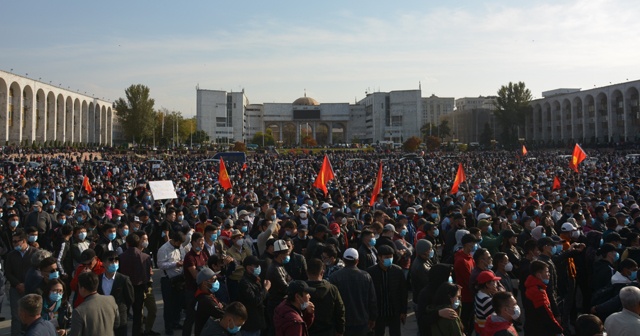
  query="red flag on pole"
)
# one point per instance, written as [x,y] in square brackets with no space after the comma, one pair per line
[244,166]
[578,156]
[377,187]
[524,150]
[86,185]
[324,176]
[460,177]
[223,177]
[556,183]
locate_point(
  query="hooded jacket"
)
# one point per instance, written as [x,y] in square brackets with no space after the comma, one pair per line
[497,326]
[329,309]
[462,267]
[290,321]
[539,319]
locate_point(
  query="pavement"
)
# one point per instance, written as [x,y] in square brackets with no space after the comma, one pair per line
[410,328]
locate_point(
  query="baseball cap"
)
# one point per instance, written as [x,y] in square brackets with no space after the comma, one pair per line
[326,205]
[483,216]
[567,227]
[204,275]
[320,228]
[350,254]
[250,261]
[87,255]
[299,286]
[486,276]
[410,210]
[389,227]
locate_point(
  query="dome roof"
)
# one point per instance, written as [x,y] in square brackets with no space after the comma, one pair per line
[306,101]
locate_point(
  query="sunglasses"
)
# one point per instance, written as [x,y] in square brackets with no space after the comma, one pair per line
[113,259]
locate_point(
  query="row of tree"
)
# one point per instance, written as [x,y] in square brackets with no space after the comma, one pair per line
[143,124]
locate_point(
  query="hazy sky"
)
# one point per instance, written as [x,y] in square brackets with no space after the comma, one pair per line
[336,50]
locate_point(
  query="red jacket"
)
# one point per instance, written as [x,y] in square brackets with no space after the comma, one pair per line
[492,327]
[539,318]
[462,266]
[97,269]
[290,321]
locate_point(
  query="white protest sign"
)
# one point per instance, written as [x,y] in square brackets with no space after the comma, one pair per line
[162,190]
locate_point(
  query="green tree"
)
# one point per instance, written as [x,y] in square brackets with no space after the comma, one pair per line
[264,138]
[239,146]
[433,143]
[136,113]
[412,144]
[199,137]
[512,107]
[486,136]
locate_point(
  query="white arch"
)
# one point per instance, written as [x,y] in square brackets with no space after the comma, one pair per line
[4,102]
[51,116]
[14,115]
[40,117]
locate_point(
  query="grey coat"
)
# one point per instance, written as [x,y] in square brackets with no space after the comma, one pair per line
[97,315]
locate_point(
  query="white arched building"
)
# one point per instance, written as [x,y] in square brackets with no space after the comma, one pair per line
[39,112]
[599,115]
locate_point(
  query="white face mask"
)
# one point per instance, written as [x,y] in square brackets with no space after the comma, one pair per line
[532,225]
[240,242]
[575,234]
[508,267]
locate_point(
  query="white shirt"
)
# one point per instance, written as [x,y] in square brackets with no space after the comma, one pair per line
[168,256]
[624,323]
[107,284]
[211,249]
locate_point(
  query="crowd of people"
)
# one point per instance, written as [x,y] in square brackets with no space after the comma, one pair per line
[511,251]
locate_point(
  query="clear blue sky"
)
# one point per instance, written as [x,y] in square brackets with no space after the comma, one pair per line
[336,50]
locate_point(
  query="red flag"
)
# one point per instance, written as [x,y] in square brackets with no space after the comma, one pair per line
[324,176]
[460,177]
[223,177]
[578,156]
[86,185]
[524,150]
[556,183]
[244,166]
[377,187]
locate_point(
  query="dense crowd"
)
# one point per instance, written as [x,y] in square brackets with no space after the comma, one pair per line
[81,240]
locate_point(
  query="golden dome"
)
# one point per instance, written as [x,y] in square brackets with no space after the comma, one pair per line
[306,101]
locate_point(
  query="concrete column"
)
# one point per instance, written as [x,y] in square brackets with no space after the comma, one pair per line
[314,125]
[610,116]
[624,117]
[298,139]
[280,130]
[330,134]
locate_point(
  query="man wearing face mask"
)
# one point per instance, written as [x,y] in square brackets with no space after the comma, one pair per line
[41,221]
[539,317]
[170,260]
[207,304]
[279,279]
[137,266]
[252,293]
[119,286]
[293,315]
[391,293]
[506,311]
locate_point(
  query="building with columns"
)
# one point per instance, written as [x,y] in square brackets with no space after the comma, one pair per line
[380,116]
[605,114]
[34,111]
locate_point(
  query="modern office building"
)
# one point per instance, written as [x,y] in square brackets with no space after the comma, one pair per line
[605,114]
[380,116]
[470,118]
[434,108]
[34,111]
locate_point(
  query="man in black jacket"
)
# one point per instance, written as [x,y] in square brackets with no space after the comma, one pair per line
[367,251]
[358,294]
[391,293]
[329,317]
[279,279]
[252,293]
[16,266]
[119,286]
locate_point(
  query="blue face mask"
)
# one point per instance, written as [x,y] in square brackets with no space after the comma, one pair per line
[450,279]
[372,242]
[605,216]
[434,215]
[125,232]
[489,229]
[243,229]
[233,330]
[111,236]
[62,221]
[619,246]
[82,235]
[55,297]
[14,224]
[634,275]
[514,217]
[616,257]
[475,248]
[388,262]
[180,218]
[214,236]
[436,232]
[54,275]
[286,260]
[513,205]
[18,248]
[487,210]
[420,213]
[554,249]
[195,213]
[403,232]
[456,304]
[257,271]
[273,218]
[536,212]
[215,286]
[545,281]
[33,239]
[431,253]
[113,268]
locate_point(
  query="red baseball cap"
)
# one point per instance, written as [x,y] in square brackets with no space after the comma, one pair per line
[334,228]
[486,276]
